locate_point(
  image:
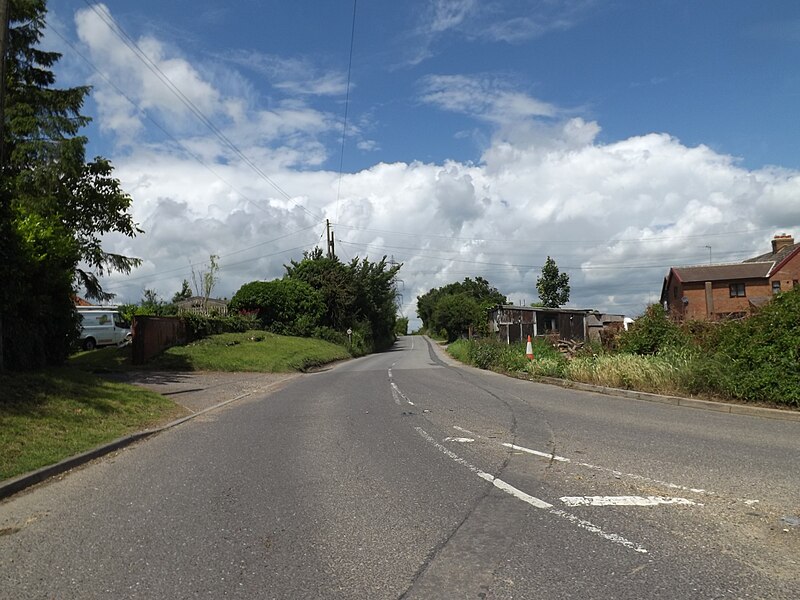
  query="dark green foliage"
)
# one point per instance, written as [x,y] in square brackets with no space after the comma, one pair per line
[184,294]
[359,295]
[201,326]
[652,332]
[483,295]
[287,306]
[54,205]
[553,287]
[455,313]
[497,356]
[401,327]
[761,354]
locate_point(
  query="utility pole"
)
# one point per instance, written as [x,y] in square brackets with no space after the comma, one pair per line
[3,43]
[329,236]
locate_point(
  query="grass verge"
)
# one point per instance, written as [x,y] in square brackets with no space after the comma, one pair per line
[50,415]
[250,351]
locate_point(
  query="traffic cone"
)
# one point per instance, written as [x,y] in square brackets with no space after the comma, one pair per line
[529,349]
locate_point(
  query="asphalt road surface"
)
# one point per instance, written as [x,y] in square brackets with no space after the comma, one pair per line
[401,475]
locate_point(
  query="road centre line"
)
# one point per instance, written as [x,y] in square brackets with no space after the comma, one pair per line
[532,500]
[551,456]
[396,392]
[460,440]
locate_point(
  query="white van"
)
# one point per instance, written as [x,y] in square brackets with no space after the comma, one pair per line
[102,326]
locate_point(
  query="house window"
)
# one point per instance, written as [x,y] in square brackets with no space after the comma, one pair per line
[737,290]
[675,292]
[795,283]
[776,287]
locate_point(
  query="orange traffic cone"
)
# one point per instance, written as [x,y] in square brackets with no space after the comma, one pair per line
[529,349]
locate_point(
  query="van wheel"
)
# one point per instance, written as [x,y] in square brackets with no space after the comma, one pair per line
[89,344]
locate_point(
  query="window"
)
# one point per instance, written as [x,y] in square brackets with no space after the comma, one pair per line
[795,283]
[737,290]
[776,287]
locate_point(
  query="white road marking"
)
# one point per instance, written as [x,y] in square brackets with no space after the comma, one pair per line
[588,526]
[551,456]
[396,391]
[536,452]
[460,440]
[532,500]
[624,501]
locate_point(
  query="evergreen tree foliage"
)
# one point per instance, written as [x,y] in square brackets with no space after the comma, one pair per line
[54,205]
[553,286]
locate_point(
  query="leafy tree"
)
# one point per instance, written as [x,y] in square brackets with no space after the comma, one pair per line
[401,326]
[282,305]
[54,205]
[358,295]
[184,294]
[455,313]
[553,286]
[206,280]
[478,289]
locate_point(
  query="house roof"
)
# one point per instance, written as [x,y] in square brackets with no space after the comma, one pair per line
[778,257]
[724,272]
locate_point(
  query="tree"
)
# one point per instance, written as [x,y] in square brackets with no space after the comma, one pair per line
[455,314]
[205,281]
[281,305]
[553,287]
[358,295]
[184,294]
[478,289]
[54,205]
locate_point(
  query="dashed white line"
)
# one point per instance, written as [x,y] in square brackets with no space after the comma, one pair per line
[396,392]
[460,440]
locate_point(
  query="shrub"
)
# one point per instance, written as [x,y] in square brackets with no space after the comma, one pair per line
[652,332]
[762,352]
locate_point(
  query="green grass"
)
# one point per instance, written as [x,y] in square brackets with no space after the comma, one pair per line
[50,415]
[250,351]
[46,416]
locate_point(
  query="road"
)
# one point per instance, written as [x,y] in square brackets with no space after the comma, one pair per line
[402,475]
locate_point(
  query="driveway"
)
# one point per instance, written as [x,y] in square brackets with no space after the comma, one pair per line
[198,390]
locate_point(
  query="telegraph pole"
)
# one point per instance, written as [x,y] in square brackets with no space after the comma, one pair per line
[329,237]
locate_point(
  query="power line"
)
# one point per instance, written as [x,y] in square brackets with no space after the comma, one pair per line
[346,106]
[143,113]
[176,91]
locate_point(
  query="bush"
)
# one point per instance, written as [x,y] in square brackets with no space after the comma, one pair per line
[652,332]
[762,352]
[200,326]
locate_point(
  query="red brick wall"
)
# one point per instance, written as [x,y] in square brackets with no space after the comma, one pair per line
[788,274]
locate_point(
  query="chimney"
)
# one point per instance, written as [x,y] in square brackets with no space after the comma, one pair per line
[780,241]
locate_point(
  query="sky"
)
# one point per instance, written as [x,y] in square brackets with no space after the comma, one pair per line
[460,138]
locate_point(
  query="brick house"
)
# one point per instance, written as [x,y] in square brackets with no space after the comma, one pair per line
[733,289]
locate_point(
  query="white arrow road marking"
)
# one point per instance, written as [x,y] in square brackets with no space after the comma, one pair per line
[532,500]
[624,501]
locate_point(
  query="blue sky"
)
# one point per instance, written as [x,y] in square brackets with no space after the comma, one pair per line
[620,137]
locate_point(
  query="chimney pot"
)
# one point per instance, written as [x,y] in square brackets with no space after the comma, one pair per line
[780,241]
